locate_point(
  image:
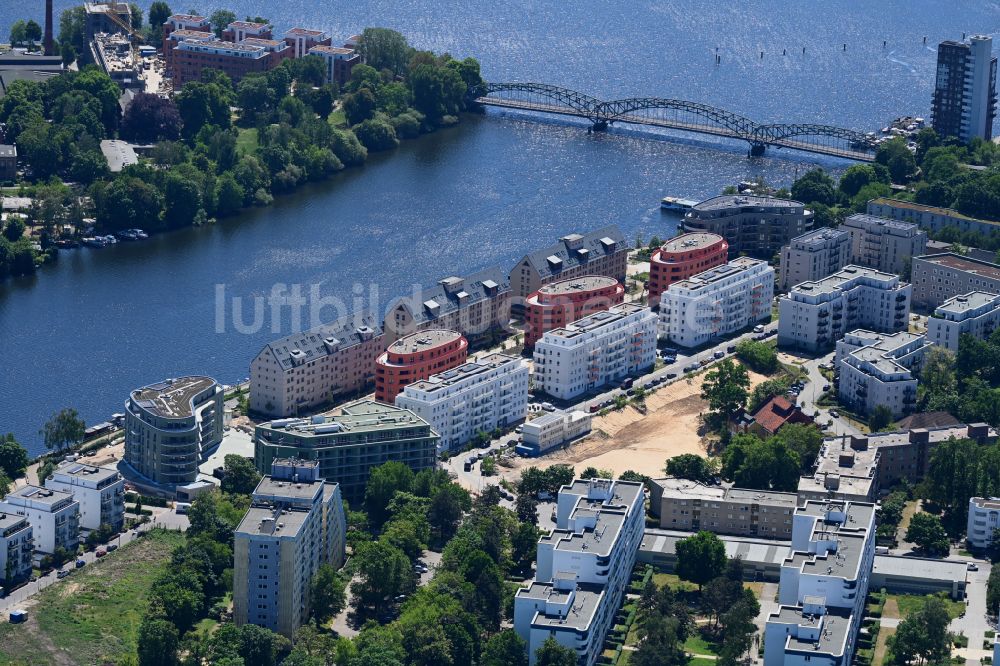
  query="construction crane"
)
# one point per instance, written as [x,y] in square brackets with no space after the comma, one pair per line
[113,11]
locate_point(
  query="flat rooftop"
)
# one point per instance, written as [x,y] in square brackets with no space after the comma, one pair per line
[726,201]
[89,472]
[752,550]
[187,18]
[247,25]
[40,495]
[173,398]
[423,341]
[221,46]
[921,208]
[959,305]
[443,380]
[360,417]
[920,567]
[833,637]
[595,321]
[872,221]
[843,279]
[333,50]
[819,237]
[689,242]
[585,603]
[305,32]
[293,490]
[683,488]
[578,285]
[717,274]
[267,521]
[987,503]
[967,264]
[7,150]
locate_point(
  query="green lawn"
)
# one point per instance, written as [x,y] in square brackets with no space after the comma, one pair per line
[338,119]
[246,142]
[909,603]
[673,581]
[696,644]
[91,617]
[702,661]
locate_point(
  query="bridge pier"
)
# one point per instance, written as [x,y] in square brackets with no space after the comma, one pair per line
[599,126]
[757,149]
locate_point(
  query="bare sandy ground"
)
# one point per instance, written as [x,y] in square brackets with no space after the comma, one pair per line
[637,441]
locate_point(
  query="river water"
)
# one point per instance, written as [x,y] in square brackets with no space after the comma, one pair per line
[87,330]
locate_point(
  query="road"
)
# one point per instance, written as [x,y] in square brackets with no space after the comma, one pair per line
[812,393]
[974,624]
[165,518]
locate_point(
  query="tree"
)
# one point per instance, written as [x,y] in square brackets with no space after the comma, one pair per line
[880,418]
[157,642]
[181,200]
[766,390]
[358,106]
[700,558]
[856,177]
[551,653]
[759,356]
[229,195]
[927,532]
[18,33]
[203,104]
[220,19]
[526,508]
[376,134]
[505,649]
[923,637]
[33,31]
[384,482]
[158,14]
[14,229]
[895,155]
[329,594]
[382,572]
[65,429]
[180,596]
[382,48]
[437,91]
[938,388]
[13,456]
[558,476]
[815,186]
[993,590]
[725,388]
[805,439]
[689,466]
[448,503]
[247,644]
[127,203]
[719,595]
[150,118]
[240,475]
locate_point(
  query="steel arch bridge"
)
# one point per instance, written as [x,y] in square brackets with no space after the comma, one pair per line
[678,115]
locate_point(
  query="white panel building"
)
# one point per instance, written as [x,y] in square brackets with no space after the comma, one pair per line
[54,516]
[823,585]
[599,349]
[584,566]
[481,395]
[553,429]
[976,313]
[984,517]
[99,490]
[814,255]
[878,369]
[814,315]
[16,548]
[882,243]
[720,301]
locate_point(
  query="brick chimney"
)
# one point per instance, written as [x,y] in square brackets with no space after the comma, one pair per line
[50,46]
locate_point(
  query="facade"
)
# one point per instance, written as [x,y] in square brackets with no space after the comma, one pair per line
[179,27]
[883,243]
[479,396]
[237,31]
[965,98]
[930,218]
[312,368]
[477,306]
[757,226]
[170,426]
[595,351]
[976,313]
[939,277]
[691,506]
[717,302]
[823,585]
[559,303]
[349,443]
[16,548]
[683,257]
[984,517]
[191,55]
[600,252]
[54,516]
[295,524]
[417,357]
[583,570]
[8,162]
[108,17]
[878,369]
[340,62]
[814,255]
[553,429]
[303,39]
[814,315]
[100,492]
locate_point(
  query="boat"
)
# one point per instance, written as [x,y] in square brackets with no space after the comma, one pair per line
[677,204]
[95,241]
[127,235]
[66,243]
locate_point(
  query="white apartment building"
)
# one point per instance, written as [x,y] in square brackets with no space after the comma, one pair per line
[54,516]
[479,396]
[814,255]
[976,313]
[16,548]
[594,351]
[882,243]
[99,490]
[878,369]
[306,370]
[823,584]
[814,315]
[984,517]
[553,429]
[294,525]
[717,302]
[584,566]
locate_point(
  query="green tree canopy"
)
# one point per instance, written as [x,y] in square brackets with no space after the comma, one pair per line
[700,558]
[725,388]
[926,531]
[690,466]
[65,429]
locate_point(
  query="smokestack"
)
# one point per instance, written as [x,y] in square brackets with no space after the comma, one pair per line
[48,41]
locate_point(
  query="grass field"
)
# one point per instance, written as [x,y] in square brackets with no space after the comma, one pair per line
[246,142]
[93,616]
[338,119]
[673,581]
[696,644]
[909,603]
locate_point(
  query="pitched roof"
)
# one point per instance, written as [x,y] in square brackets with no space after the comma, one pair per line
[927,420]
[305,346]
[776,412]
[454,293]
[559,257]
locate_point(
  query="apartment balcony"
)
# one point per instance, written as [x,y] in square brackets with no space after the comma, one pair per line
[824,314]
[900,298]
[900,308]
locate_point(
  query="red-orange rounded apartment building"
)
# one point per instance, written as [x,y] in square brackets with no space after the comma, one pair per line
[560,303]
[417,356]
[684,256]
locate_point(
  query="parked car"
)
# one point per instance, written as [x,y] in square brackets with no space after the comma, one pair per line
[594,409]
[112,547]
[834,413]
[826,387]
[81,563]
[519,429]
[671,375]
[731,349]
[62,574]
[627,384]
[101,552]
[972,566]
[759,328]
[719,354]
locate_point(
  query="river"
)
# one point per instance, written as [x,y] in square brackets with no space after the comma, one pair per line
[98,323]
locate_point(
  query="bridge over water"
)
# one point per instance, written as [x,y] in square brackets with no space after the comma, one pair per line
[682,115]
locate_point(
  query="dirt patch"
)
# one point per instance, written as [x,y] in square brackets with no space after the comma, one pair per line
[891,609]
[882,644]
[632,440]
